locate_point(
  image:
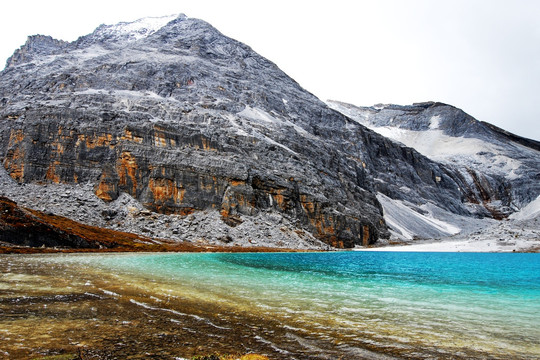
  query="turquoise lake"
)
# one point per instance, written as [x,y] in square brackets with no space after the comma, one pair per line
[450,304]
[348,305]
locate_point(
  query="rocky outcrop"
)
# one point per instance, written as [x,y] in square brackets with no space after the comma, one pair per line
[186,120]
[27,228]
[36,47]
[169,172]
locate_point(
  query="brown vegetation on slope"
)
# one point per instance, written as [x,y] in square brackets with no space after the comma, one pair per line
[29,231]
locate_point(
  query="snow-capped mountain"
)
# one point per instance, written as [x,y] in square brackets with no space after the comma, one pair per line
[502,168]
[167,127]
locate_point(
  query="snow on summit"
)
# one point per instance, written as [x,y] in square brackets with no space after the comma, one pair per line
[441,138]
[171,115]
[137,29]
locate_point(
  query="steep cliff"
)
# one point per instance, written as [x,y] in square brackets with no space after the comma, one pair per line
[186,120]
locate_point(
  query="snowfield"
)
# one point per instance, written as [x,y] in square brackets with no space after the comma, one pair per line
[464,245]
[466,151]
[529,212]
[519,233]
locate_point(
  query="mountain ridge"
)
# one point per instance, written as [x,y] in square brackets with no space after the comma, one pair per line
[501,167]
[189,123]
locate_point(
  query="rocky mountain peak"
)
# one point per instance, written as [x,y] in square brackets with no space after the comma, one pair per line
[416,117]
[35,46]
[124,33]
[175,117]
[449,135]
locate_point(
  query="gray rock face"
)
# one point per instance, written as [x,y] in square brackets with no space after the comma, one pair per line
[37,46]
[499,169]
[186,120]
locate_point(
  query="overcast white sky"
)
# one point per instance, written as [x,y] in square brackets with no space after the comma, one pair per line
[482,56]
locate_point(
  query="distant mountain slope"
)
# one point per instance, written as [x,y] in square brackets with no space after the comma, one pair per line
[499,168]
[170,114]
[448,135]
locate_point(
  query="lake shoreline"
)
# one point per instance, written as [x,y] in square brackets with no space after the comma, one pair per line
[183,248]
[460,244]
[53,309]
[137,305]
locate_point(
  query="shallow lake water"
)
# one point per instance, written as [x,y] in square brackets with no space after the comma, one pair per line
[348,305]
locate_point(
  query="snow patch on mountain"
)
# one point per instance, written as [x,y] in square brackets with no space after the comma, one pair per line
[520,232]
[434,122]
[258,115]
[511,235]
[448,149]
[136,30]
[531,211]
[408,221]
[473,152]
[126,94]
